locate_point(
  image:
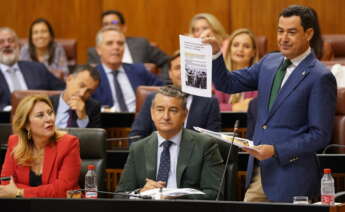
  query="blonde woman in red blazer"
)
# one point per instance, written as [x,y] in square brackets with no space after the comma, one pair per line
[41,161]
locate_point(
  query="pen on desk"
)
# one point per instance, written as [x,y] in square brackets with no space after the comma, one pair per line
[5,178]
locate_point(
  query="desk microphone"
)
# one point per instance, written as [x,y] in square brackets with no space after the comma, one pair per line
[339,194]
[130,139]
[332,145]
[124,138]
[227,159]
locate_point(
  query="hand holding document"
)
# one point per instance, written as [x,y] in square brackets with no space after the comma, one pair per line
[240,142]
[170,193]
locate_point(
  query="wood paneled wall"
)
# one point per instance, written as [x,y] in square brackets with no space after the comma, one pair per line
[262,16]
[160,20]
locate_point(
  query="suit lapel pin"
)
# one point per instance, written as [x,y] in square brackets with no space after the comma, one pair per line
[303,73]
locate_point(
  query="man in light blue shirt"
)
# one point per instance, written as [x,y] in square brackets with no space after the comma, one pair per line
[118,80]
[74,107]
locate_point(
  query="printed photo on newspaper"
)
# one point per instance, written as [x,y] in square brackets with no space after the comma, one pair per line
[196,66]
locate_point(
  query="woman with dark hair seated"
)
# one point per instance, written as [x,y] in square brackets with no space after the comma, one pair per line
[41,47]
[41,161]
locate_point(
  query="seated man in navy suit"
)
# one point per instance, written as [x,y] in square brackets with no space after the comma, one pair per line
[137,49]
[118,80]
[203,112]
[20,75]
[75,108]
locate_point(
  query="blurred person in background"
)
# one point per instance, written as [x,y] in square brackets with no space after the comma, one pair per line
[119,80]
[42,47]
[240,53]
[203,21]
[20,75]
[137,49]
[202,112]
[75,107]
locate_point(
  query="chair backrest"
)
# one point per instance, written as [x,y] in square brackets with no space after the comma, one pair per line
[338,136]
[17,96]
[92,151]
[261,45]
[141,94]
[337,42]
[229,186]
[5,132]
[69,45]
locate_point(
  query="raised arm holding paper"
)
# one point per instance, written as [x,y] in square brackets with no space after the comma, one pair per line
[296,107]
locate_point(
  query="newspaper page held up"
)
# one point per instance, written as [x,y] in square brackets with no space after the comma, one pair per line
[240,142]
[196,66]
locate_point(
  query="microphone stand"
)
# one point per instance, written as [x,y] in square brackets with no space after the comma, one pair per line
[332,145]
[227,160]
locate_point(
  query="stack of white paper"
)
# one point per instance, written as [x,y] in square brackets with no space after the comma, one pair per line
[170,192]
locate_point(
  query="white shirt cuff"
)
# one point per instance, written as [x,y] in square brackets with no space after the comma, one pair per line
[82,123]
[215,56]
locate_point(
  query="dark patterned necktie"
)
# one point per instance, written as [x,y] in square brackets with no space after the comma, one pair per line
[278,79]
[164,165]
[72,119]
[119,95]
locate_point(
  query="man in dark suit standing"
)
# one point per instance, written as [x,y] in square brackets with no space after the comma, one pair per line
[202,112]
[172,157]
[75,107]
[137,49]
[20,75]
[118,80]
[295,110]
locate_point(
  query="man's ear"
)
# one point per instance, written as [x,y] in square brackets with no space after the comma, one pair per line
[98,50]
[309,33]
[186,111]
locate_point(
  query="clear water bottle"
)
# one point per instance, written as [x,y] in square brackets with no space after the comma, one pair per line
[91,182]
[327,188]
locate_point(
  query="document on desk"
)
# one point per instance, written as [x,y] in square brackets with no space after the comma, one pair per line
[196,66]
[237,141]
[171,192]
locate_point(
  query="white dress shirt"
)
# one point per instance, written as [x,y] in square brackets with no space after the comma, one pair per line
[127,57]
[174,152]
[189,103]
[126,87]
[6,72]
[295,62]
